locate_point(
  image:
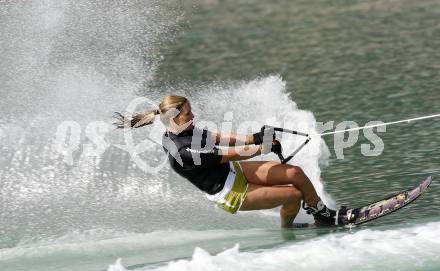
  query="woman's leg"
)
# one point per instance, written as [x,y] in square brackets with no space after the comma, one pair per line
[267,197]
[269,173]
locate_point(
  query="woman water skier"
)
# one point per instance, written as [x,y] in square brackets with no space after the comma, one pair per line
[233,185]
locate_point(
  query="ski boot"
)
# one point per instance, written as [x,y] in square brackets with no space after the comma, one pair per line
[325,216]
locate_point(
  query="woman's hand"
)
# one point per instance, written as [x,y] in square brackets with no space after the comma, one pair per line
[274,147]
[265,134]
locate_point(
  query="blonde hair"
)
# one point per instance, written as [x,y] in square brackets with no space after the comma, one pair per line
[147,118]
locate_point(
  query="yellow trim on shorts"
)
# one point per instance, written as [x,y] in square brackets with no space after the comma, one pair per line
[235,198]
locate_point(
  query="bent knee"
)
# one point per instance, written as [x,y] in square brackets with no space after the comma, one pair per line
[295,172]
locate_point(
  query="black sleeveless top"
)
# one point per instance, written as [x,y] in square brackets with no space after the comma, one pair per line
[192,155]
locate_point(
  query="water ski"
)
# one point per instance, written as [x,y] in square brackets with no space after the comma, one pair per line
[386,206]
[376,209]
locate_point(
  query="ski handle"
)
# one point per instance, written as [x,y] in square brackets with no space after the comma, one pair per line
[283,159]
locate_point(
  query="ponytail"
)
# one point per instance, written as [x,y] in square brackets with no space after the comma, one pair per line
[135,121]
[143,119]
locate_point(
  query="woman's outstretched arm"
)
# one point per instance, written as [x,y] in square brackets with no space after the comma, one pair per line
[227,139]
[239,153]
